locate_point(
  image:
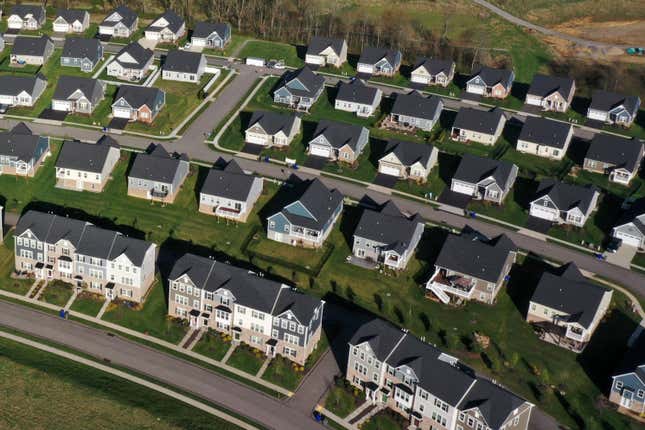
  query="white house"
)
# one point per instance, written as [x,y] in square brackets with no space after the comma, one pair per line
[71,21]
[132,63]
[272,129]
[564,203]
[356,97]
[26,17]
[323,51]
[122,22]
[183,66]
[545,138]
[18,90]
[168,27]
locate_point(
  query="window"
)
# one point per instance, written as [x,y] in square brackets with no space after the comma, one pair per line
[462,417]
[275,334]
[241,310]
[619,385]
[301,329]
[292,326]
[640,394]
[19,241]
[470,421]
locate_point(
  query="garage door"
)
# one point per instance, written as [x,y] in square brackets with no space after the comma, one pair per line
[320,151]
[474,89]
[256,139]
[6,100]
[388,170]
[121,113]
[60,105]
[628,240]
[539,212]
[463,188]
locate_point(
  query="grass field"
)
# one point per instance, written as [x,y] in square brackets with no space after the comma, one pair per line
[18,286]
[385,420]
[342,399]
[271,51]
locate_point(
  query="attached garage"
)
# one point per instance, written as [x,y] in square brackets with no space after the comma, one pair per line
[365,68]
[320,151]
[6,100]
[389,170]
[543,213]
[120,112]
[462,188]
[257,139]
[628,239]
[62,105]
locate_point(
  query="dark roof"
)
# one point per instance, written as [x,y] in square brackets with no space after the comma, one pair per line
[492,76]
[356,91]
[88,157]
[174,21]
[473,254]
[230,182]
[381,336]
[571,293]
[140,55]
[339,134]
[79,47]
[205,29]
[473,169]
[409,153]
[615,150]
[494,402]
[137,96]
[566,196]
[19,142]
[416,105]
[388,225]
[71,15]
[128,16]
[273,122]
[300,304]
[478,120]
[371,55]
[606,101]
[544,85]
[12,85]
[317,44]
[92,89]
[182,61]
[320,202]
[545,132]
[34,46]
[157,165]
[22,10]
[313,82]
[84,236]
[434,66]
[21,128]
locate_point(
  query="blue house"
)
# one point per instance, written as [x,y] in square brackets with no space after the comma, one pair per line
[82,53]
[628,384]
[308,220]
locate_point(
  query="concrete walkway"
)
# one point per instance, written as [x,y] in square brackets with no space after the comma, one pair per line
[186,337]
[106,304]
[33,287]
[228,354]
[39,293]
[103,66]
[196,340]
[263,369]
[145,383]
[71,299]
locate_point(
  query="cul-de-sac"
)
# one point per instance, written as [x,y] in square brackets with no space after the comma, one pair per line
[307,214]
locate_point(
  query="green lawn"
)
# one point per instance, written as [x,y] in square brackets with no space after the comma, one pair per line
[35,381]
[270,250]
[18,286]
[230,48]
[102,112]
[342,398]
[57,293]
[385,420]
[639,259]
[88,303]
[514,208]
[271,51]
[246,359]
[288,374]
[213,345]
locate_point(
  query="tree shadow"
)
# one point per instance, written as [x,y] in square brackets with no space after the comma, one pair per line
[301,51]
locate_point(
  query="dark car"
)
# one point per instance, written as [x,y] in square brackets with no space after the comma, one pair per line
[614,244]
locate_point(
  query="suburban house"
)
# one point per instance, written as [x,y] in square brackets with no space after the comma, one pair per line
[628,383]
[132,63]
[299,89]
[229,192]
[408,160]
[429,388]
[471,266]
[122,22]
[358,98]
[272,129]
[631,226]
[489,82]
[613,108]
[551,93]
[484,178]
[479,126]
[387,236]
[308,220]
[71,21]
[77,95]
[31,50]
[566,308]
[615,156]
[167,27]
[338,141]
[86,166]
[157,175]
[82,53]
[545,138]
[22,152]
[430,71]
[564,203]
[21,90]
[136,103]
[379,61]
[267,315]
[105,262]
[184,66]
[26,17]
[214,35]
[415,111]
[326,51]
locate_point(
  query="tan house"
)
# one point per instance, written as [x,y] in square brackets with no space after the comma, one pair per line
[86,166]
[480,126]
[408,160]
[326,51]
[617,157]
[545,138]
[272,129]
[551,93]
[337,141]
[489,82]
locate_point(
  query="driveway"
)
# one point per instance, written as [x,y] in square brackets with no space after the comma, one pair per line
[314,162]
[387,181]
[622,257]
[457,200]
[54,115]
[538,224]
[250,148]
[118,123]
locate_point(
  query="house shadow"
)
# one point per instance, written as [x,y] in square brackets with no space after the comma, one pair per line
[519,90]
[608,212]
[349,221]
[387,103]
[523,279]
[378,148]
[447,119]
[448,164]
[578,149]
[289,192]
[3,226]
[331,93]
[640,118]
[352,60]
[301,51]
[524,191]
[460,80]
[202,174]
[512,130]
[580,105]
[428,250]
[405,70]
[308,132]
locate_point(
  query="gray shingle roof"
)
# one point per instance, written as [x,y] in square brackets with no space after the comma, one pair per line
[389,226]
[381,335]
[137,96]
[22,10]
[495,403]
[571,293]
[79,47]
[339,134]
[12,85]
[434,66]
[174,21]
[356,92]
[18,143]
[473,169]
[230,182]
[205,29]
[416,105]
[157,165]
[182,61]
[615,150]
[606,101]
[543,85]
[300,304]
[545,132]
[87,157]
[478,120]
[492,76]
[128,16]
[311,81]
[371,55]
[317,44]
[273,122]
[409,153]
[566,196]
[32,46]
[71,15]
[320,201]
[140,55]
[92,89]
[474,255]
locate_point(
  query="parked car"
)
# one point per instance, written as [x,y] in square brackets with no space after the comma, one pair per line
[614,244]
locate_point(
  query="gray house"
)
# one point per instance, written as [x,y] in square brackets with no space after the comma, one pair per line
[22,152]
[157,175]
[211,35]
[184,66]
[31,50]
[408,160]
[309,219]
[631,226]
[413,110]
[132,62]
[613,108]
[387,236]
[564,203]
[379,61]
[358,98]
[484,178]
[78,95]
[82,53]
[628,382]
[615,156]
[138,103]
[338,141]
[21,90]
[299,89]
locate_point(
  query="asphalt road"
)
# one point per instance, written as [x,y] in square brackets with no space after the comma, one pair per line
[164,368]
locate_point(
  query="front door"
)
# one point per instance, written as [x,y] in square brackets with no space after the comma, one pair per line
[626,399]
[194,322]
[109,293]
[270,351]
